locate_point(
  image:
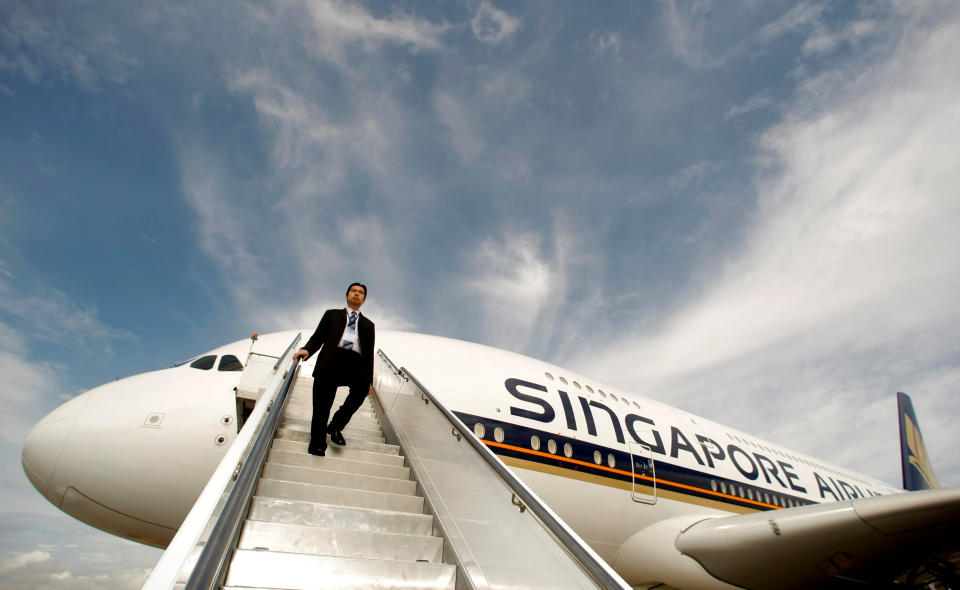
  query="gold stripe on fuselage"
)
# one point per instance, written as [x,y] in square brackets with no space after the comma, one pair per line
[534,465]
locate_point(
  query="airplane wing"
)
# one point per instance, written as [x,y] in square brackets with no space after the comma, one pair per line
[912,538]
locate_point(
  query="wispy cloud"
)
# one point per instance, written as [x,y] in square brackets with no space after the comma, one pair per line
[467,143]
[49,315]
[530,284]
[20,560]
[491,25]
[703,41]
[692,174]
[45,43]
[336,25]
[610,42]
[843,290]
[685,28]
[754,103]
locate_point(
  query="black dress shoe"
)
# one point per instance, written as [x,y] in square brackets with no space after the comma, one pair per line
[336,437]
[317,452]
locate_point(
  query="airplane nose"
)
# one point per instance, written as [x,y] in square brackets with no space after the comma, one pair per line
[45,442]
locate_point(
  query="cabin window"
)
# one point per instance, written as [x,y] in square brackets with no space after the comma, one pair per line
[535,442]
[597,457]
[567,450]
[723,487]
[590,389]
[749,494]
[479,430]
[562,380]
[611,460]
[228,362]
[204,363]
[498,434]
[766,497]
[636,405]
[552,446]
[577,385]
[602,394]
[548,376]
[713,484]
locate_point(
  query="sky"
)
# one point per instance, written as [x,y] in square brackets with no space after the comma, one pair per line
[745,210]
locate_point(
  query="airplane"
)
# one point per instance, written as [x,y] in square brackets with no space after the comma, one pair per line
[664,496]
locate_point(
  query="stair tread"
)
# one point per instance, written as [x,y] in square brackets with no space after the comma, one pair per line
[269,569]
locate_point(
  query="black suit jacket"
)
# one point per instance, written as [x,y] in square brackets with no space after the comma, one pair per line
[327,336]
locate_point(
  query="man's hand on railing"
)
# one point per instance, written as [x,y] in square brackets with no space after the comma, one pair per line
[301,354]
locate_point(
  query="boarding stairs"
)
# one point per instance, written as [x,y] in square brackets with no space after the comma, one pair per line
[351,519]
[432,508]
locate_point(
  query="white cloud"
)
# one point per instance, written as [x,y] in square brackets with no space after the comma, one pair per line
[754,103]
[29,385]
[824,40]
[521,282]
[685,33]
[844,289]
[339,24]
[21,560]
[48,314]
[46,42]
[692,174]
[491,25]
[610,42]
[691,27]
[465,140]
[221,220]
[803,15]
[514,282]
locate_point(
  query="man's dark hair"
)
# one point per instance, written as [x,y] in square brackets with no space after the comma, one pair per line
[358,285]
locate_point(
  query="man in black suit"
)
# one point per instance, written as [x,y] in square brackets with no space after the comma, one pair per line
[346,358]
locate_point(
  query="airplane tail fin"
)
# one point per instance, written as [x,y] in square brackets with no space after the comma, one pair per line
[917,471]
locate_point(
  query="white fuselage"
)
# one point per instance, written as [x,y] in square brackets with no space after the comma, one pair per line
[130,457]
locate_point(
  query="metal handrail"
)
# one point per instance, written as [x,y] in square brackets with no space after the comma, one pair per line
[293,343]
[214,559]
[525,498]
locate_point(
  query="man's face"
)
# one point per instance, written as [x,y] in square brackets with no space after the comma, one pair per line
[355,296]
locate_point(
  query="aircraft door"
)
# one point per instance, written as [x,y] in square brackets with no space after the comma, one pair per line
[644,488]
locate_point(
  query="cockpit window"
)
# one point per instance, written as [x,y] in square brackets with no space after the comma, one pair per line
[228,362]
[205,362]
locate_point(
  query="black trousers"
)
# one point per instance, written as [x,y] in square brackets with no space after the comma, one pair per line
[344,368]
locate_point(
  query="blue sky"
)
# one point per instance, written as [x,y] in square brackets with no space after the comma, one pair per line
[748,211]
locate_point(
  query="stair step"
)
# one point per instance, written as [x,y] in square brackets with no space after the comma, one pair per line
[349,452]
[362,429]
[307,394]
[301,413]
[332,463]
[305,410]
[268,569]
[319,475]
[364,445]
[348,433]
[339,517]
[290,490]
[298,538]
